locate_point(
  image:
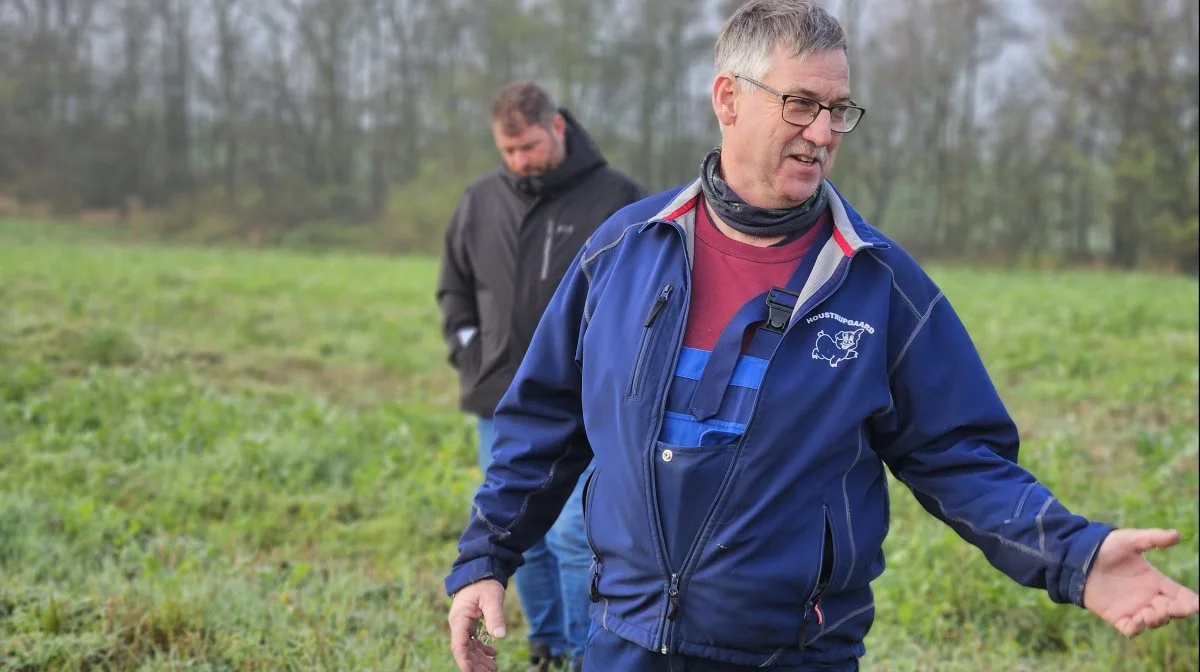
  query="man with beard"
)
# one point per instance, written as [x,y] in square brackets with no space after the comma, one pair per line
[742,358]
[512,237]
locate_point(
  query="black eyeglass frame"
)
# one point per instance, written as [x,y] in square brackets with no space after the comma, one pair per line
[784,98]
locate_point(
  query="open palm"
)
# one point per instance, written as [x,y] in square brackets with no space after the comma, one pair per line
[1129,592]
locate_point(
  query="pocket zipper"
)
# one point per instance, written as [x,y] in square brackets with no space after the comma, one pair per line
[547,247]
[824,578]
[660,302]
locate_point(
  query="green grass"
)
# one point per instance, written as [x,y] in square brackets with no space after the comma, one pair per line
[224,460]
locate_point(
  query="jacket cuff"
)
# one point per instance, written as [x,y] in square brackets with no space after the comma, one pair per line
[473,571]
[1072,576]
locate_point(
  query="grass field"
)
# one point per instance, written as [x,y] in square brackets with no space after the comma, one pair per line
[221,460]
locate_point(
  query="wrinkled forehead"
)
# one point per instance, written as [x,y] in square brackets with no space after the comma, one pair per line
[821,75]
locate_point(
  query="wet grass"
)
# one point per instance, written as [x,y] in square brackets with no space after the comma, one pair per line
[233,460]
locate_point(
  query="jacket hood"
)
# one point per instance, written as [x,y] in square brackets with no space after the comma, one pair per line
[582,157]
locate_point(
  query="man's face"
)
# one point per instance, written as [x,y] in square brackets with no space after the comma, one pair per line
[533,149]
[775,163]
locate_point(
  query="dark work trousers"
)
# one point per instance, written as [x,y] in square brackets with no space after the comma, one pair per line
[607,652]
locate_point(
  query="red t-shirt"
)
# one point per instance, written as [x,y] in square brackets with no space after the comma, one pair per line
[727,273]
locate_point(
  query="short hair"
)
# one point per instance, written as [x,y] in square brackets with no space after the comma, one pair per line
[747,41]
[520,104]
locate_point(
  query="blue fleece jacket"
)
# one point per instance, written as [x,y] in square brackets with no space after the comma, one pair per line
[757,544]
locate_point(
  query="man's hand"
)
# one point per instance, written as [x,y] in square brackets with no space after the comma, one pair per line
[480,599]
[1127,591]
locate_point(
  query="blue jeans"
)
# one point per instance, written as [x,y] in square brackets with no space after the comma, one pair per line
[553,583]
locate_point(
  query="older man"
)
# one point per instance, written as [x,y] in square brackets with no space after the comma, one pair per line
[743,357]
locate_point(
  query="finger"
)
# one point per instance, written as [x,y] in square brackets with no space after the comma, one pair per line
[461,627]
[1160,612]
[1178,604]
[1135,627]
[480,656]
[1184,602]
[1135,624]
[1145,540]
[1151,616]
[493,613]
[1191,606]
[1158,620]
[480,659]
[477,650]
[487,649]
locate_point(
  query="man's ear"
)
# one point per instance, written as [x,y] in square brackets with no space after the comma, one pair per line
[725,97]
[560,126]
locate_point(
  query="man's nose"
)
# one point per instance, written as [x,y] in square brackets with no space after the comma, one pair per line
[820,132]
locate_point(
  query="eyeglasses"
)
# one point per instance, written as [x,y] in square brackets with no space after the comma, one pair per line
[800,111]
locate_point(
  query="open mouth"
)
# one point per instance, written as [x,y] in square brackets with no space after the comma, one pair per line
[806,160]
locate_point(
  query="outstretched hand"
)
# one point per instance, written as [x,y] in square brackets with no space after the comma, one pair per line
[1129,592]
[483,599]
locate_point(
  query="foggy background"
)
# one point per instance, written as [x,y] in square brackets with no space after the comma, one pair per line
[1031,131]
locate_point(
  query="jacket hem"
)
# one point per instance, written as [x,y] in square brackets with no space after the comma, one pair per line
[791,658]
[823,656]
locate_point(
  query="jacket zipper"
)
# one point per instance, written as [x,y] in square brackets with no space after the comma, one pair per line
[546,249]
[676,577]
[639,365]
[673,576]
[672,612]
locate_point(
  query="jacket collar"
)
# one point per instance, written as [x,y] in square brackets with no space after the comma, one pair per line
[850,232]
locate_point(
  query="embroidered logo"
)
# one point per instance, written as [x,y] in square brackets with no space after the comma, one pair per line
[840,345]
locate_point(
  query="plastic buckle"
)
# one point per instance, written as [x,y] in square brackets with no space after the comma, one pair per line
[780,304]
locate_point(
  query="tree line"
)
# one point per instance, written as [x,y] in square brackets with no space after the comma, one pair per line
[1042,131]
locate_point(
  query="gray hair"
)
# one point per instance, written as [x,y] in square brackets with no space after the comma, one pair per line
[748,40]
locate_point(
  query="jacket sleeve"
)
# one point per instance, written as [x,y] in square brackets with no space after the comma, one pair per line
[950,440]
[456,281]
[540,450]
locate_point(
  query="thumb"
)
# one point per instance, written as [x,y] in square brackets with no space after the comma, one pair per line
[492,605]
[1145,540]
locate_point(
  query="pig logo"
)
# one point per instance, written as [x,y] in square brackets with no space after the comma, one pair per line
[841,346]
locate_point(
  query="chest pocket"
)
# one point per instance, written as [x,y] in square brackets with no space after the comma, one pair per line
[710,403]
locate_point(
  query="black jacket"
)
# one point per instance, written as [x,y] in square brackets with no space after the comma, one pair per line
[507,247]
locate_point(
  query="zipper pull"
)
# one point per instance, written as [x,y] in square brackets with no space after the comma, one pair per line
[594,589]
[659,303]
[594,592]
[804,626]
[673,598]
